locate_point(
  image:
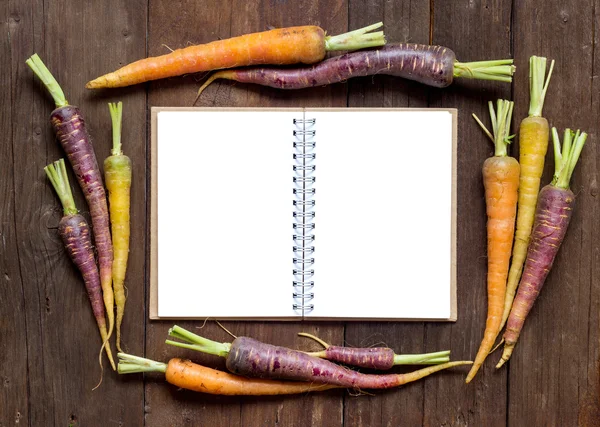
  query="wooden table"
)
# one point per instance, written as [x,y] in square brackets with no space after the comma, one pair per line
[49,342]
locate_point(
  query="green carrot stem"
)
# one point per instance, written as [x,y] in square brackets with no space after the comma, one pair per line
[129,364]
[557,153]
[57,174]
[566,160]
[500,119]
[40,70]
[499,70]
[537,85]
[116,116]
[198,343]
[357,39]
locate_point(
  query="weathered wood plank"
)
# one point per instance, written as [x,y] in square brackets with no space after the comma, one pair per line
[209,21]
[554,369]
[475,30]
[14,397]
[62,337]
[404,21]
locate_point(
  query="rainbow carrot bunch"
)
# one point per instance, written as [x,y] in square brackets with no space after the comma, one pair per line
[305,44]
[251,358]
[501,182]
[552,216]
[70,128]
[262,369]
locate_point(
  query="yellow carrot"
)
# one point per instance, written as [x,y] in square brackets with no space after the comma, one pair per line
[533,145]
[117,170]
[501,182]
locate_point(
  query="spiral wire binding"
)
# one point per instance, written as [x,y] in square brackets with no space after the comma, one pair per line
[304,214]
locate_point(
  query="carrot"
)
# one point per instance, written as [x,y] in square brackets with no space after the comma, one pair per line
[533,145]
[251,358]
[190,376]
[431,65]
[75,234]
[117,171]
[501,182]
[305,44]
[381,358]
[71,131]
[552,216]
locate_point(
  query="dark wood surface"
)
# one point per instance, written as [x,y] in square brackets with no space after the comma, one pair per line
[48,339]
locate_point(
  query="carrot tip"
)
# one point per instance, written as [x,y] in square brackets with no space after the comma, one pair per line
[508,349]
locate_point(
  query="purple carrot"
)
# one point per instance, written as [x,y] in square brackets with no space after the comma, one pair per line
[75,234]
[431,65]
[381,358]
[71,131]
[552,216]
[252,358]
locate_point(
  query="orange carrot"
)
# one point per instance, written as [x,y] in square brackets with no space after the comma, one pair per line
[306,44]
[501,182]
[191,376]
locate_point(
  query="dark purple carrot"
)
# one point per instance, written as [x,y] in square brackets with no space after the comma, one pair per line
[249,357]
[552,216]
[75,234]
[381,358]
[71,131]
[431,65]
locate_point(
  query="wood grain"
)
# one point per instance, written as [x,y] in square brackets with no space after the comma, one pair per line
[14,379]
[447,400]
[552,376]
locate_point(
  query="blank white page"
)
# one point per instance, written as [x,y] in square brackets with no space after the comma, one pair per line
[224,213]
[383,224]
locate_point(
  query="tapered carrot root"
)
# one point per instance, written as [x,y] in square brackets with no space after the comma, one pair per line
[381,358]
[501,182]
[117,170]
[75,234]
[431,65]
[534,135]
[305,44]
[552,217]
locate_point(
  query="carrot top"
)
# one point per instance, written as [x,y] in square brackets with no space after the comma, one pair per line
[357,39]
[500,126]
[129,364]
[498,70]
[198,343]
[537,85]
[40,70]
[116,115]
[57,173]
[566,159]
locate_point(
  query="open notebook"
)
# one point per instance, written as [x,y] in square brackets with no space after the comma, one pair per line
[303,213]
